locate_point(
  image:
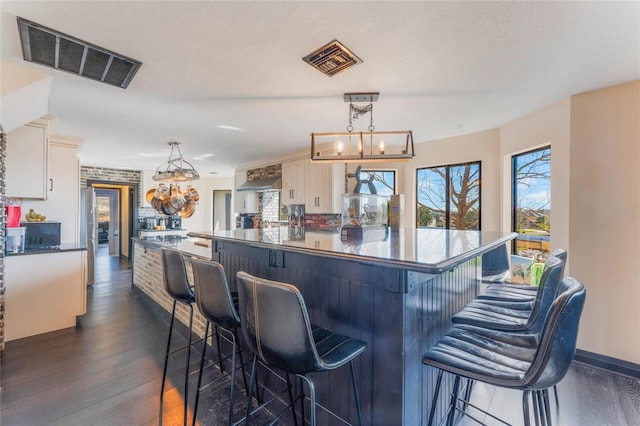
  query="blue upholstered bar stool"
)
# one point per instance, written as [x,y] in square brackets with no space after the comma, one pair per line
[504,291]
[177,286]
[214,301]
[506,319]
[277,329]
[530,362]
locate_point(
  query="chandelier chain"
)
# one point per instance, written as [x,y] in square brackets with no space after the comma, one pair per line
[355,112]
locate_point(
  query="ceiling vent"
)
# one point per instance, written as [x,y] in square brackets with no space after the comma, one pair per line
[54,49]
[332,58]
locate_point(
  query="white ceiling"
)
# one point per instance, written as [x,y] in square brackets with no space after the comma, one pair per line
[442,68]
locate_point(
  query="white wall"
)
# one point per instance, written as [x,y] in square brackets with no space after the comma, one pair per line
[202,218]
[605,217]
[24,93]
[549,126]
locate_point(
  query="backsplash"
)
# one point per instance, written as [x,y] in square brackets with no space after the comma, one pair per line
[322,222]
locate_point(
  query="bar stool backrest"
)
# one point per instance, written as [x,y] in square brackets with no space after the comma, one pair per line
[549,282]
[213,296]
[176,282]
[275,324]
[496,261]
[559,335]
[560,254]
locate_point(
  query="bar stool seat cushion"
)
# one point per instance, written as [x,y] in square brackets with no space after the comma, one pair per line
[335,349]
[498,309]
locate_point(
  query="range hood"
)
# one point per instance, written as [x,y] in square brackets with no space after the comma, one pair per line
[260,185]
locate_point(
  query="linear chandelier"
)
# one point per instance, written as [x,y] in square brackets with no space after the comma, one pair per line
[371,146]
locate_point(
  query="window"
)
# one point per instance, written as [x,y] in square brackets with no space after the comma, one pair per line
[383,180]
[531,172]
[449,196]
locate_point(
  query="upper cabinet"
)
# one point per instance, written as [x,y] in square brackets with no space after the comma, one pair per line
[27,161]
[294,174]
[245,201]
[325,185]
[63,199]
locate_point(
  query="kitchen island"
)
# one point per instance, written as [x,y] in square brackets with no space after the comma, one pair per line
[397,294]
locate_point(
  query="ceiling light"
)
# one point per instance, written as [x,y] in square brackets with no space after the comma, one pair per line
[175,170]
[372,145]
[223,126]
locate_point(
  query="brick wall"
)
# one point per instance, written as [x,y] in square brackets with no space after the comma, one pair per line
[269,205]
[105,174]
[116,175]
[3,148]
[147,276]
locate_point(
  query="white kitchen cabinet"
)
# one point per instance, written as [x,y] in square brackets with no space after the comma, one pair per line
[63,188]
[294,179]
[245,201]
[26,161]
[44,292]
[325,186]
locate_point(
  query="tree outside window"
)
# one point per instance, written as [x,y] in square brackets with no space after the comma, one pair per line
[449,196]
[532,203]
[383,180]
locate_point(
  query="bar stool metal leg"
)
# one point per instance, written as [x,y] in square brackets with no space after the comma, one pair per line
[355,392]
[291,400]
[204,350]
[434,402]
[525,408]
[186,368]
[251,384]
[312,397]
[166,356]
[454,401]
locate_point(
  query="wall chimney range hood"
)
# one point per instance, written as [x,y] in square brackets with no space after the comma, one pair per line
[261,185]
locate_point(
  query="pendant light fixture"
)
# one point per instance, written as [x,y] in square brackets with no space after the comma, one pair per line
[172,200]
[369,146]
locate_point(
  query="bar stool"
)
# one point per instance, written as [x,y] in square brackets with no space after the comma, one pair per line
[506,319]
[515,292]
[177,286]
[276,327]
[214,301]
[532,363]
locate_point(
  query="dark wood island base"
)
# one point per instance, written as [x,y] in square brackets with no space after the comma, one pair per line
[398,295]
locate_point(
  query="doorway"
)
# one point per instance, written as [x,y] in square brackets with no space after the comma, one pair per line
[116,206]
[221,210]
[108,204]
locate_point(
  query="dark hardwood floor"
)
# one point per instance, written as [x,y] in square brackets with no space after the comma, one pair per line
[108,370]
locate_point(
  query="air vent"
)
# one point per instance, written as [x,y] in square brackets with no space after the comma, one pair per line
[54,49]
[332,58]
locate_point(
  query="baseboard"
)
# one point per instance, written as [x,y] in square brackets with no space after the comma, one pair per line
[608,363]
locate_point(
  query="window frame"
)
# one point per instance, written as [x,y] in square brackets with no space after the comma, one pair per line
[447,168]
[514,192]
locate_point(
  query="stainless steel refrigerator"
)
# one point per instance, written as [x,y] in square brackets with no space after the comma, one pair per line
[89,229]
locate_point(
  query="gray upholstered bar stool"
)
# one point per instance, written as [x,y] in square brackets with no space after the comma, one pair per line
[214,301]
[532,363]
[177,286]
[276,327]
